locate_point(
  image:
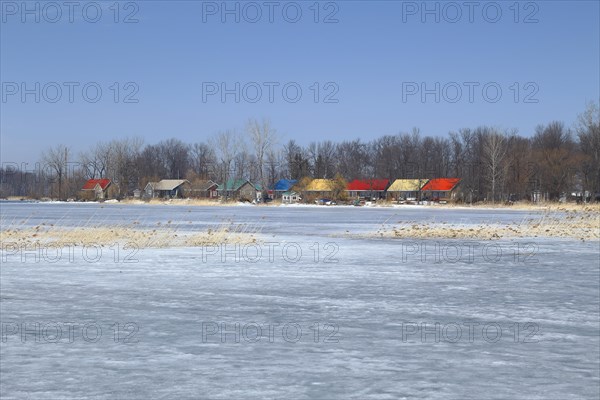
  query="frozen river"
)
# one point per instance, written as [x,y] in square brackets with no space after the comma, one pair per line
[305,313]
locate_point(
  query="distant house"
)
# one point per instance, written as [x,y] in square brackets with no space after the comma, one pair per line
[203,189]
[166,188]
[291,197]
[440,189]
[369,188]
[240,189]
[321,187]
[282,186]
[406,189]
[149,190]
[96,188]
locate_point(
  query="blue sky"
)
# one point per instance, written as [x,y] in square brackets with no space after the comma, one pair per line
[370,58]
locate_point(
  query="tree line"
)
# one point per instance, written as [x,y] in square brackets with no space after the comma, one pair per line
[493,164]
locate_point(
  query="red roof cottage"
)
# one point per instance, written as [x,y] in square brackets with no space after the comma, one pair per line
[97,188]
[440,189]
[372,188]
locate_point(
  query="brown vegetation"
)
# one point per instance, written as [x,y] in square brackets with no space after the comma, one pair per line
[582,223]
[163,235]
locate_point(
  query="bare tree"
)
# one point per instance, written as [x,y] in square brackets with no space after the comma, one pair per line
[55,159]
[519,166]
[322,155]
[263,138]
[588,131]
[353,160]
[494,154]
[123,165]
[296,160]
[202,159]
[554,157]
[227,145]
[175,156]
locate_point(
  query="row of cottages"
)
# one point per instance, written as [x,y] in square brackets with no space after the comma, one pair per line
[439,189]
[443,189]
[179,188]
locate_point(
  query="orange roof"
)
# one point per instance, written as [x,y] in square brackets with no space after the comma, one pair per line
[441,185]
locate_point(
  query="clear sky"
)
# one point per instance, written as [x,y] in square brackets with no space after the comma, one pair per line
[373,59]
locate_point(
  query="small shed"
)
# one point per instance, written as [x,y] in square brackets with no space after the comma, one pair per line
[291,197]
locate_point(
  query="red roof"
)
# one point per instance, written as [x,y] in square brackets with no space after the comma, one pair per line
[368,184]
[91,184]
[441,185]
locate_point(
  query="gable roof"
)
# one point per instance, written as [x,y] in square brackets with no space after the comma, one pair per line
[169,184]
[320,185]
[284,184]
[203,184]
[235,185]
[368,184]
[441,184]
[407,185]
[91,184]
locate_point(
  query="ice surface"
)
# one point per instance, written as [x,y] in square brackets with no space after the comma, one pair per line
[366,304]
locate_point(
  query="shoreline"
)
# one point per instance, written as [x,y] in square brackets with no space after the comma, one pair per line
[211,203]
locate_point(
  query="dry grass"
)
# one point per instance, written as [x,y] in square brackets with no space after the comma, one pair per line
[164,235]
[582,224]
